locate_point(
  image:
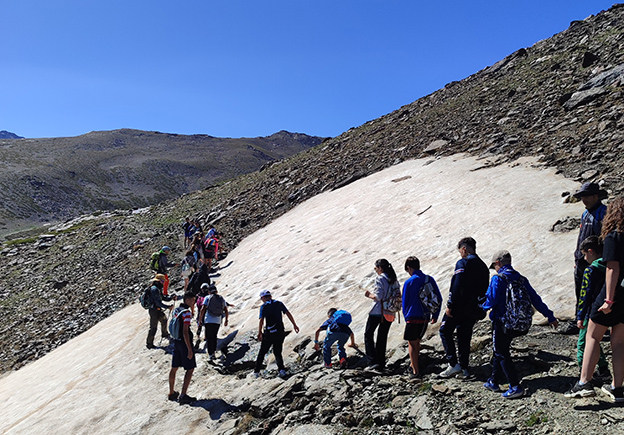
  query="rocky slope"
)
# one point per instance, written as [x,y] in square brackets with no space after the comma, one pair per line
[560,99]
[46,180]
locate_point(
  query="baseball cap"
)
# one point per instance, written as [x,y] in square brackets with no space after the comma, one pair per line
[264,293]
[503,256]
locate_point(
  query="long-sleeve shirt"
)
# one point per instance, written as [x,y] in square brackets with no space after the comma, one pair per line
[468,285]
[412,306]
[591,225]
[157,297]
[593,280]
[496,296]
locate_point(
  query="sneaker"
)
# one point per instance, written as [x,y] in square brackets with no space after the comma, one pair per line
[513,392]
[211,357]
[166,337]
[255,375]
[569,328]
[492,386]
[415,375]
[465,375]
[185,399]
[282,373]
[372,368]
[616,394]
[450,371]
[327,366]
[603,375]
[150,346]
[343,363]
[173,396]
[581,390]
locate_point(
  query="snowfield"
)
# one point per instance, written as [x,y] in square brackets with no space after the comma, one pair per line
[317,256]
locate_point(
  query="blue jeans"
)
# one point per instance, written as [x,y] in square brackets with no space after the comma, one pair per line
[334,337]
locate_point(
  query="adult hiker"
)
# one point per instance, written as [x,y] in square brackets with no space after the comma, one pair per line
[271,331]
[338,331]
[188,228]
[211,247]
[608,308]
[385,283]
[199,278]
[468,286]
[163,265]
[511,299]
[214,310]
[157,309]
[422,303]
[183,355]
[591,224]
[189,266]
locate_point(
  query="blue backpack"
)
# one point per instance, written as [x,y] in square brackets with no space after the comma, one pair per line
[340,317]
[176,323]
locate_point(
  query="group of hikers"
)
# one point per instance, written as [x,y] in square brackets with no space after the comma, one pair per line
[507,295]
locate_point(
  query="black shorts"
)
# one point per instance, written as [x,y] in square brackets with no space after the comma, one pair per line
[209,254]
[180,356]
[414,331]
[615,316]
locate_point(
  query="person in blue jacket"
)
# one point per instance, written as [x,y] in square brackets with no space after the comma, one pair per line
[416,315]
[496,300]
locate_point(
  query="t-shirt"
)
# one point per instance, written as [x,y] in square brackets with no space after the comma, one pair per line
[614,251]
[272,311]
[209,318]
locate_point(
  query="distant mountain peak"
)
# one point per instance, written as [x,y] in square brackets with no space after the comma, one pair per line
[8,135]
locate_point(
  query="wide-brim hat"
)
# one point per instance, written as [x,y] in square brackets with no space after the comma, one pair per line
[589,189]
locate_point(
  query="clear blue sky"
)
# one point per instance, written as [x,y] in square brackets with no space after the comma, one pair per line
[248,68]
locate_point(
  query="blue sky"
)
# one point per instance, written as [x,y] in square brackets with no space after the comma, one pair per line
[248,68]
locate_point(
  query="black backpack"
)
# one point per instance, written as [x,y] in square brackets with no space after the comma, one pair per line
[146,298]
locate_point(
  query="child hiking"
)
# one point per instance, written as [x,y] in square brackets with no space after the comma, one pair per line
[338,331]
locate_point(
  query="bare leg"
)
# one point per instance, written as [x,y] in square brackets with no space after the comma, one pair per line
[617,347]
[414,351]
[187,380]
[592,350]
[172,376]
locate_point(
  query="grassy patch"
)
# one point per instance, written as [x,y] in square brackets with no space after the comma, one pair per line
[536,418]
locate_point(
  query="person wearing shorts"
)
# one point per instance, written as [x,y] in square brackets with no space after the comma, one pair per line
[183,354]
[416,315]
[608,308]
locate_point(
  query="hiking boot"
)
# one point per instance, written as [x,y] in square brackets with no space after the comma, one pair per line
[343,363]
[513,392]
[492,386]
[173,396]
[450,371]
[282,373]
[581,390]
[616,394]
[185,399]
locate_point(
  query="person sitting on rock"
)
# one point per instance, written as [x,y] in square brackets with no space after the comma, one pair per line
[338,331]
[510,297]
[271,331]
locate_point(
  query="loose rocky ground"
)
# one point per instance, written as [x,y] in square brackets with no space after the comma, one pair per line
[353,401]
